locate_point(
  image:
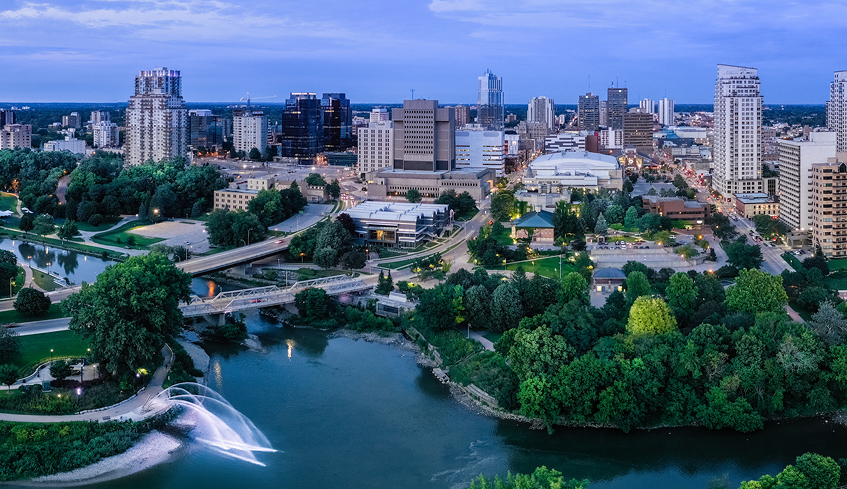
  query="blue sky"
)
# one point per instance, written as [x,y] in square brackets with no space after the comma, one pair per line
[376,51]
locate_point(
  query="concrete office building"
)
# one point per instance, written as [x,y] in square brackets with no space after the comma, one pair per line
[611,138]
[638,131]
[737,145]
[106,134]
[513,144]
[16,136]
[337,122]
[73,121]
[302,127]
[398,224]
[489,112]
[604,113]
[376,146]
[379,114]
[565,141]
[676,208]
[249,130]
[70,143]
[6,117]
[156,119]
[829,206]
[425,156]
[616,106]
[795,176]
[478,148]
[836,109]
[647,106]
[463,115]
[100,116]
[540,109]
[754,204]
[666,108]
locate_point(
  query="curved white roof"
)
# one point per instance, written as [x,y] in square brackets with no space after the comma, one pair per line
[573,162]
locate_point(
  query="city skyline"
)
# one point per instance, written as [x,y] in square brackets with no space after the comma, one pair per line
[72,51]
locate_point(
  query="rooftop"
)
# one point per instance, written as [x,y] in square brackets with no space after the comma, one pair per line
[395,211]
[540,219]
[754,198]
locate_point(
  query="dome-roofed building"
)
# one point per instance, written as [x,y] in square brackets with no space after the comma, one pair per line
[557,172]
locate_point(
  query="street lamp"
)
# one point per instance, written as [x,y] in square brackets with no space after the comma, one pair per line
[51,356]
[248,236]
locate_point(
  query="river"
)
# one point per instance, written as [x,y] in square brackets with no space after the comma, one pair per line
[349,413]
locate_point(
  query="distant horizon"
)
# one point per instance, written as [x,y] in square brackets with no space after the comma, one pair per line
[630,104]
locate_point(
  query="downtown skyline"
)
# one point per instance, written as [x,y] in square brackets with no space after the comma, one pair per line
[75,51]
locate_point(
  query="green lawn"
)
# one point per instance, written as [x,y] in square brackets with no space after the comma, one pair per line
[838,264]
[44,281]
[8,202]
[547,267]
[121,236]
[35,348]
[793,261]
[466,216]
[13,316]
[106,224]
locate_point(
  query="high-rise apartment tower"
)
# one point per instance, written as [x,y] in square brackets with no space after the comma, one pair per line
[156,119]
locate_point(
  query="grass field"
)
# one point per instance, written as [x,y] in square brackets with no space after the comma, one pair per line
[8,202]
[106,224]
[837,280]
[44,281]
[466,216]
[547,267]
[14,316]
[121,236]
[793,261]
[837,264]
[35,348]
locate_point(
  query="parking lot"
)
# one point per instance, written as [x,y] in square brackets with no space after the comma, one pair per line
[181,232]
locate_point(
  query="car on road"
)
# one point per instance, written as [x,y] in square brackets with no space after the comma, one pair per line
[279,241]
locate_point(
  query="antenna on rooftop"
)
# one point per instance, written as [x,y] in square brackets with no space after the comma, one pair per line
[617,81]
[413,93]
[589,83]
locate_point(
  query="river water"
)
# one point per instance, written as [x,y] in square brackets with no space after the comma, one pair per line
[349,413]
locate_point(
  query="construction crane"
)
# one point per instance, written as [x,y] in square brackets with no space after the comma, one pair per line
[248,98]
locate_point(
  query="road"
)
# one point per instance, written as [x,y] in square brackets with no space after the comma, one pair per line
[39,327]
[772,261]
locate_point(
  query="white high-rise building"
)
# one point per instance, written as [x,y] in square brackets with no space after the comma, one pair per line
[666,117]
[376,146]
[105,133]
[795,176]
[647,106]
[737,145]
[379,114]
[70,143]
[836,109]
[477,147]
[540,109]
[156,119]
[249,130]
[489,112]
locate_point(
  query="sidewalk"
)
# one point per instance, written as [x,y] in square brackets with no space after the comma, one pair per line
[129,410]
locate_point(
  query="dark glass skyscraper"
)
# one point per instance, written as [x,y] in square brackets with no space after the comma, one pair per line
[588,114]
[489,112]
[302,126]
[616,106]
[337,122]
[6,117]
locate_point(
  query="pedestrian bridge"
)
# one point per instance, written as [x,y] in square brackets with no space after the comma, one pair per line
[273,295]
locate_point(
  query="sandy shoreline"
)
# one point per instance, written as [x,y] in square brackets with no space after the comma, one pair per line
[153,449]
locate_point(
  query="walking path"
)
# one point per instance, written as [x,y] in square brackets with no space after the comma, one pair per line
[132,409]
[486,343]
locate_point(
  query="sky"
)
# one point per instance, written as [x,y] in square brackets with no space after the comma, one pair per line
[377,51]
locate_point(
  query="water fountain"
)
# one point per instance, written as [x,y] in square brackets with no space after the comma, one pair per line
[220,426]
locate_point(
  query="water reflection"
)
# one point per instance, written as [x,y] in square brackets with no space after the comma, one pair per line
[61,262]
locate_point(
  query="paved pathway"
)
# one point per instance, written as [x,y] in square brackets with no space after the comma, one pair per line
[486,343]
[129,410]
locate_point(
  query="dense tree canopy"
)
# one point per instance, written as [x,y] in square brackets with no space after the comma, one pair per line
[129,313]
[755,291]
[650,315]
[234,228]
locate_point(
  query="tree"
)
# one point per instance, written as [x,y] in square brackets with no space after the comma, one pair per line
[31,302]
[9,344]
[334,189]
[650,315]
[628,186]
[60,370]
[347,222]
[267,205]
[8,374]
[255,154]
[637,285]
[614,214]
[314,305]
[68,230]
[506,308]
[502,205]
[95,220]
[822,472]
[353,260]
[332,242]
[384,284]
[755,291]
[27,222]
[681,294]
[601,227]
[574,287]
[741,255]
[326,257]
[536,400]
[631,219]
[129,313]
[315,180]
[829,324]
[477,303]
[413,196]
[44,224]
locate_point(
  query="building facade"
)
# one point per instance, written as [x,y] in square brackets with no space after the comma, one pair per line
[540,109]
[16,136]
[836,109]
[754,204]
[376,146]
[617,104]
[249,130]
[73,121]
[829,207]
[424,136]
[638,130]
[379,114]
[479,148]
[559,172]
[737,145]
[74,145]
[398,224]
[795,176]
[6,117]
[666,110]
[337,122]
[463,115]
[100,116]
[676,208]
[647,106]
[156,119]
[565,141]
[302,127]
[489,112]
[106,134]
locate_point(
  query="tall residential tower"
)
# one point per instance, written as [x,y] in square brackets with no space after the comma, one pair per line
[540,109]
[588,112]
[836,109]
[156,119]
[737,145]
[616,106]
